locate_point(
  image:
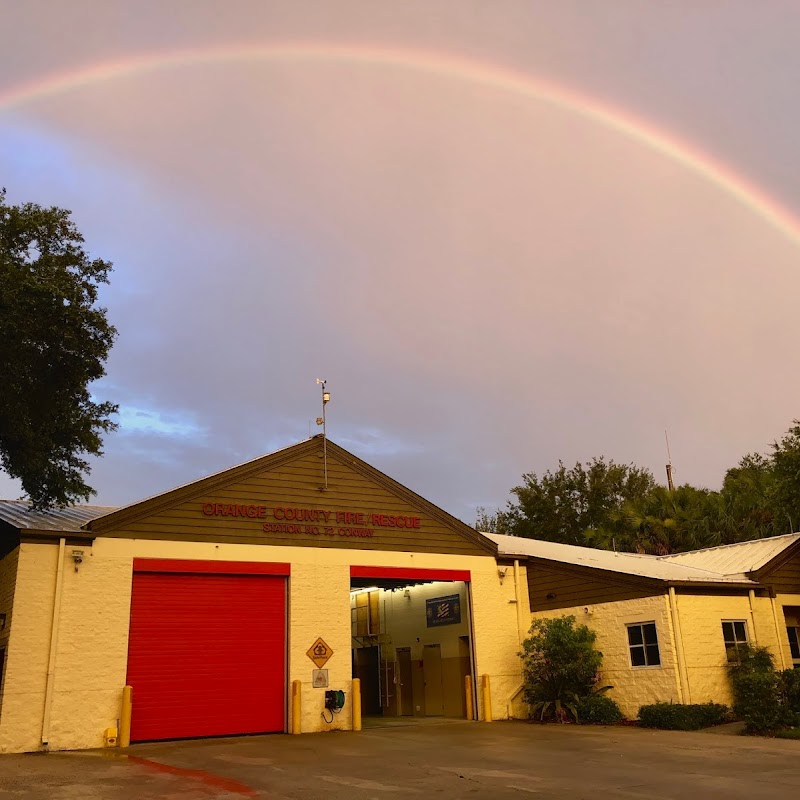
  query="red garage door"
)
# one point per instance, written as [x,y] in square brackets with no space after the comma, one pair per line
[207,651]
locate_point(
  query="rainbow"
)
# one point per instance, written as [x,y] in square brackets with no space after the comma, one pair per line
[454,67]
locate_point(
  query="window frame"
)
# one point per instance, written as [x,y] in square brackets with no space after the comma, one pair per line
[732,650]
[796,643]
[644,644]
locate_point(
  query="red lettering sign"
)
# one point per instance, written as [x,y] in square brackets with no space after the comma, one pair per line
[292,519]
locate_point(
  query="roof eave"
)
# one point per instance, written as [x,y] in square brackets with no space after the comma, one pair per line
[712,584]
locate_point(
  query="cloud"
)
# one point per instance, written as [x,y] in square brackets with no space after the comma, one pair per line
[134,420]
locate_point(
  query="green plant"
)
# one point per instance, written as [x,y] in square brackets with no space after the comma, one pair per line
[560,666]
[756,690]
[683,717]
[598,709]
[790,689]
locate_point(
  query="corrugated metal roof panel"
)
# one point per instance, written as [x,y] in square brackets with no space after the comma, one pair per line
[642,566]
[72,518]
[742,557]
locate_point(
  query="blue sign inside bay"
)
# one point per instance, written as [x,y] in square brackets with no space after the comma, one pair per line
[443,611]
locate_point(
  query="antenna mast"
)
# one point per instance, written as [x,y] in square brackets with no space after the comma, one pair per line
[670,484]
[326,397]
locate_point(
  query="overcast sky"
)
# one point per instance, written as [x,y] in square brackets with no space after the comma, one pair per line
[488,282]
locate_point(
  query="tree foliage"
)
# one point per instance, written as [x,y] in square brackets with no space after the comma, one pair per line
[785,489]
[620,506]
[562,505]
[560,667]
[54,341]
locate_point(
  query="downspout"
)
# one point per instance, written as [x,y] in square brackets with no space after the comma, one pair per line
[517,594]
[752,597]
[51,662]
[520,634]
[778,630]
[681,659]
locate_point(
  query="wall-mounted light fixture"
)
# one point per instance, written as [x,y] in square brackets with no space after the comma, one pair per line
[501,573]
[77,558]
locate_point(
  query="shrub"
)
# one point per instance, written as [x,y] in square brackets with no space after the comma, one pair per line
[560,666]
[683,717]
[790,689]
[756,690]
[597,709]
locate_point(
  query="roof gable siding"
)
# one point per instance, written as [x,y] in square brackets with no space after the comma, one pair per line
[785,579]
[260,507]
[552,587]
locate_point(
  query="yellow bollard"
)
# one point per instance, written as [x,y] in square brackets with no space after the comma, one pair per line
[296,719]
[355,700]
[468,693]
[125,716]
[487,699]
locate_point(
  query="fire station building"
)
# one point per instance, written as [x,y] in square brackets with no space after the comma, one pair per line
[245,601]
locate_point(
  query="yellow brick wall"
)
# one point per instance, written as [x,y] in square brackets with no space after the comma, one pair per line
[701,619]
[28,649]
[783,658]
[498,636]
[91,659]
[633,687]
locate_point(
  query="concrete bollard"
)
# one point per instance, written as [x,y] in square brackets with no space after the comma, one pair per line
[125,716]
[296,708]
[487,698]
[355,700]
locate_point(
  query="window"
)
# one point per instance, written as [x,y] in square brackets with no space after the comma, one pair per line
[365,614]
[643,643]
[734,633]
[794,641]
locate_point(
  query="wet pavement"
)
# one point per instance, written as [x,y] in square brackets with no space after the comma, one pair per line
[469,760]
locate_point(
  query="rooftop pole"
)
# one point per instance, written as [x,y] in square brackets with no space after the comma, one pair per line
[326,397]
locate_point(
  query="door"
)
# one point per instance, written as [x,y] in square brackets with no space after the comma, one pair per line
[404,686]
[367,669]
[432,673]
[206,654]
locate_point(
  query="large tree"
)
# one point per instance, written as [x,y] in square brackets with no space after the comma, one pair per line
[786,477]
[54,341]
[562,506]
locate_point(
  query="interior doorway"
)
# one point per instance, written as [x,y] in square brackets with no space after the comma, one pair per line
[432,678]
[366,667]
[411,645]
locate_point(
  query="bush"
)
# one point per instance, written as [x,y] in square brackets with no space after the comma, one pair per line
[790,689]
[560,666]
[597,709]
[757,690]
[683,717]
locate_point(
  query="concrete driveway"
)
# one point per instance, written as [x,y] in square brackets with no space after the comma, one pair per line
[475,760]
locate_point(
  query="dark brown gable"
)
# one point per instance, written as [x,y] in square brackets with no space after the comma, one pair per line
[783,573]
[280,500]
[552,586]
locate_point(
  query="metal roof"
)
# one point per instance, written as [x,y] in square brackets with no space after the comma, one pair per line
[642,566]
[18,513]
[728,559]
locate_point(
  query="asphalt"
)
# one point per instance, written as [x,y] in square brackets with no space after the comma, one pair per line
[469,760]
